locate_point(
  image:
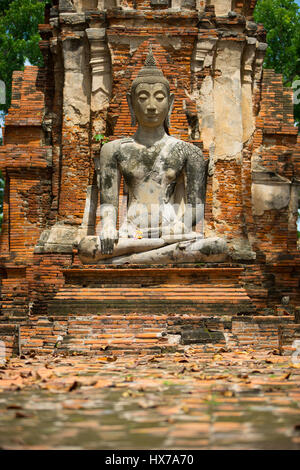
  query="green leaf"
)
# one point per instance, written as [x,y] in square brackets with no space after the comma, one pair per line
[19,38]
[99,137]
[281,19]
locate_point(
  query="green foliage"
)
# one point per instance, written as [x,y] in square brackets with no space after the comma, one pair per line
[19,41]
[281,19]
[19,38]
[101,138]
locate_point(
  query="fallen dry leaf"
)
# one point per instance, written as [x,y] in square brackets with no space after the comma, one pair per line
[21,414]
[145,404]
[14,407]
[74,386]
[103,383]
[107,359]
[72,404]
[217,357]
[44,374]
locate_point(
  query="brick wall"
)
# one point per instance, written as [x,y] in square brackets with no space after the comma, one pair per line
[47,160]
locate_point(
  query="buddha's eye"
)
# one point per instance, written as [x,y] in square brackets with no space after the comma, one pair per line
[160,97]
[143,97]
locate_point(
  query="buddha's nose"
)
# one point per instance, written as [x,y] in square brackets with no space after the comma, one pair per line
[151,106]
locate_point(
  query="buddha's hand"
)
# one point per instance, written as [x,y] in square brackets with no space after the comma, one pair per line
[108,238]
[178,228]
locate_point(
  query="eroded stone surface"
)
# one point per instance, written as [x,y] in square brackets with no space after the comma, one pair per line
[165,178]
[212,250]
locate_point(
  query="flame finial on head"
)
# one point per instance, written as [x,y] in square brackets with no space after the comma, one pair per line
[150,60]
[150,73]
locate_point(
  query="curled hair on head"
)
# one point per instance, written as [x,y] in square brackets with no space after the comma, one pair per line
[151,80]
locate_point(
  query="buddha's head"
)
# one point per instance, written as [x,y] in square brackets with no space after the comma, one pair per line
[150,100]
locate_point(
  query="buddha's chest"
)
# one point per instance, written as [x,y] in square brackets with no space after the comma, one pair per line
[141,164]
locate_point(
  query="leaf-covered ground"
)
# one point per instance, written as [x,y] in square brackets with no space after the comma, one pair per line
[218,399]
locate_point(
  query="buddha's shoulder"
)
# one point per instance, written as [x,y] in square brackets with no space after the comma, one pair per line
[185,147]
[115,145]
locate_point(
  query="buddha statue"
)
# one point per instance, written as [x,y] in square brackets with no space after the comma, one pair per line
[165,179]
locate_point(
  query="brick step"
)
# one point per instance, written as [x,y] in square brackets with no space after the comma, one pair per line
[144,286]
[196,297]
[146,306]
[168,291]
[103,318]
[151,291]
[93,333]
[117,351]
[89,334]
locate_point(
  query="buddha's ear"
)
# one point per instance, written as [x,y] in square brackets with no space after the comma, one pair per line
[132,113]
[171,104]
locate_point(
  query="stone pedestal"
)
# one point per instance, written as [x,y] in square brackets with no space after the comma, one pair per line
[180,291]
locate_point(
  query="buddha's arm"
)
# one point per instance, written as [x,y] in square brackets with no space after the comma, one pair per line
[109,182]
[195,182]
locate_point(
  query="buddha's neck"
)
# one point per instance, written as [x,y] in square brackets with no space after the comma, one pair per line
[148,136]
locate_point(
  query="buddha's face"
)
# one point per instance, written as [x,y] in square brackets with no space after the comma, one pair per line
[151,104]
